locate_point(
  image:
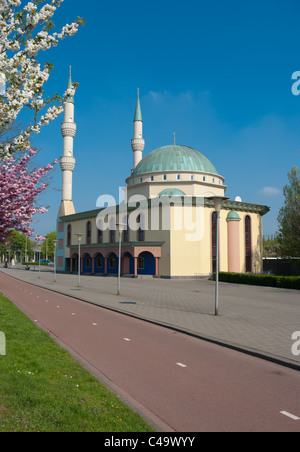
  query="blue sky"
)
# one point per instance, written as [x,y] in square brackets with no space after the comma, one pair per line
[217,73]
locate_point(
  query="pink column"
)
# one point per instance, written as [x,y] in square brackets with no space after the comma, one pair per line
[135,267]
[156,266]
[233,226]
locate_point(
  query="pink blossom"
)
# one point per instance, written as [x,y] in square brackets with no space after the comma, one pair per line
[39,238]
[19,189]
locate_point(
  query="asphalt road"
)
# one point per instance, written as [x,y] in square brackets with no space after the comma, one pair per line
[178,382]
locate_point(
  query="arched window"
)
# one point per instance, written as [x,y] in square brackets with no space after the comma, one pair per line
[112,262]
[141,230]
[112,236]
[89,233]
[248,244]
[125,235]
[112,230]
[214,241]
[69,235]
[100,232]
[141,263]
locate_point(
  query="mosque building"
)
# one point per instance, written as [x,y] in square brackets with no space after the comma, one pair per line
[167,225]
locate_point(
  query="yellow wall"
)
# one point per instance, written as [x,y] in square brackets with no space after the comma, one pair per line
[195,258]
[257,237]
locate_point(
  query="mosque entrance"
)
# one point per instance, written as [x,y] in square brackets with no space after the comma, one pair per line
[146,264]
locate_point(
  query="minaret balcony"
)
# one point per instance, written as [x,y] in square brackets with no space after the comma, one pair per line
[67,163]
[138,144]
[68,129]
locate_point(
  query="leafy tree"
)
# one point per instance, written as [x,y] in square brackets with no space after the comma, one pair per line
[271,247]
[289,217]
[17,245]
[48,246]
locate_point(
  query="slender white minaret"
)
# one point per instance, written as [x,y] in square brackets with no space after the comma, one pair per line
[67,162]
[138,143]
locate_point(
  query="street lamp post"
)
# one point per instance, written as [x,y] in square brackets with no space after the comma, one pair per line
[79,237]
[121,226]
[39,251]
[218,201]
[55,242]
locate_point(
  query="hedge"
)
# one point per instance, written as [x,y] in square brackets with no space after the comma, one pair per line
[285,282]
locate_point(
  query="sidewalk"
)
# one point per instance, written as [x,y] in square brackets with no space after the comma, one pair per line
[259,320]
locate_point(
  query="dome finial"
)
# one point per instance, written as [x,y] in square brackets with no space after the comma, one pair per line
[174,138]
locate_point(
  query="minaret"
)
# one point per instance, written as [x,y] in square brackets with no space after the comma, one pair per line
[138,143]
[67,162]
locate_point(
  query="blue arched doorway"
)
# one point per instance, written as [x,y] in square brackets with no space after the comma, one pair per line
[87,264]
[99,264]
[112,264]
[146,264]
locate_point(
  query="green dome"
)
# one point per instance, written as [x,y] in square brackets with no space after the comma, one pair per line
[171,192]
[233,216]
[174,158]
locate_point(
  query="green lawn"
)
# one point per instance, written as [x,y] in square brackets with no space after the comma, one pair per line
[43,389]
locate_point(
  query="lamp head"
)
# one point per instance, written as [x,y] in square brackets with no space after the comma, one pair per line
[79,236]
[218,201]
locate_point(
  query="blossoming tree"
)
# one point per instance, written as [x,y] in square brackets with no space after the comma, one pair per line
[25,30]
[18,193]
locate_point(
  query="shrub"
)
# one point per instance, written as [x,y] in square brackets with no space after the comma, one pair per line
[286,282]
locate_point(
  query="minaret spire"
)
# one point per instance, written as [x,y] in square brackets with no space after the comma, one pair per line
[67,161]
[138,110]
[70,86]
[138,142]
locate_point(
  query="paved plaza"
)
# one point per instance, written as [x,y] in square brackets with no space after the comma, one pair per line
[259,320]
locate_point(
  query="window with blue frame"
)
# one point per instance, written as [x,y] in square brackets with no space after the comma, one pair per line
[112,262]
[141,263]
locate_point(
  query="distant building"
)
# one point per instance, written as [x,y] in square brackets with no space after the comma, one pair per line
[174,184]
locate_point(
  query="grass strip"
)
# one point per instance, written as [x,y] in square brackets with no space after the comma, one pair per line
[43,389]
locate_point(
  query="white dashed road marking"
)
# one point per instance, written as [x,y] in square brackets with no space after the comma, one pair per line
[291,416]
